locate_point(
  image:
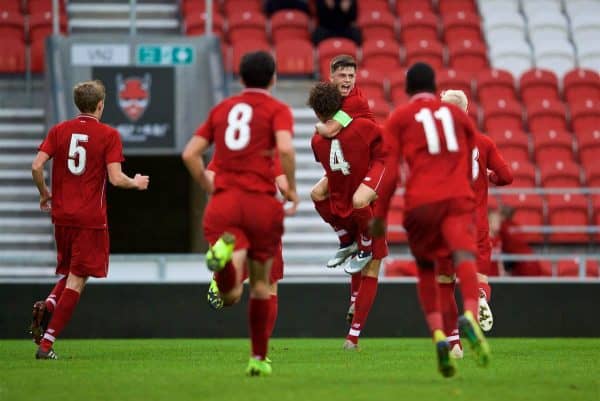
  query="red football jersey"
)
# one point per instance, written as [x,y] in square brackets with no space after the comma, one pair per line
[435,139]
[356,105]
[347,158]
[486,157]
[81,149]
[242,128]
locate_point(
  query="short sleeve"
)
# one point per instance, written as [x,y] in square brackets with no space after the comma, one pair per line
[48,145]
[205,130]
[283,120]
[114,149]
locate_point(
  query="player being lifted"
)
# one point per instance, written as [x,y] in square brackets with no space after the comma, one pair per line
[354,105]
[488,165]
[435,140]
[85,151]
[243,219]
[353,161]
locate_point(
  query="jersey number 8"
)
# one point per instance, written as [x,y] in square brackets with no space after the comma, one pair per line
[237,134]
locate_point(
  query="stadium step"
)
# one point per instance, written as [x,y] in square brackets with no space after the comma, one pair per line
[22,130]
[14,161]
[16,225]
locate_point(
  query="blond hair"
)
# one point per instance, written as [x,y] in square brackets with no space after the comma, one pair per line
[457,97]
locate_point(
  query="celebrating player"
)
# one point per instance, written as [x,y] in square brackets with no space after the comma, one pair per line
[84,152]
[488,165]
[353,162]
[243,219]
[436,139]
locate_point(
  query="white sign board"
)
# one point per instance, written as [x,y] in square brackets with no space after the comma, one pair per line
[84,54]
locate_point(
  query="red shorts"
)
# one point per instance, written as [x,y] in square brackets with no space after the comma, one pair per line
[255,219]
[484,253]
[435,230]
[386,190]
[379,246]
[276,267]
[81,251]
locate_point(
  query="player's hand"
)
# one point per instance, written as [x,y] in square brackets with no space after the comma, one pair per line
[141,182]
[45,199]
[291,196]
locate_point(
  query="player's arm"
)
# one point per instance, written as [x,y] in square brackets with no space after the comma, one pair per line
[287,157]
[192,158]
[331,128]
[500,173]
[37,172]
[119,179]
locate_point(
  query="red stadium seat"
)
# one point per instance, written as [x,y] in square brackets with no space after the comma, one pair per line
[560,174]
[589,146]
[570,268]
[455,79]
[592,174]
[581,84]
[40,25]
[289,24]
[12,25]
[12,56]
[473,112]
[329,48]
[397,82]
[592,268]
[382,55]
[568,210]
[585,115]
[495,84]
[368,6]
[238,49]
[538,83]
[513,145]
[553,145]
[43,6]
[417,26]
[396,233]
[246,25]
[467,55]
[38,56]
[295,57]
[11,5]
[454,6]
[524,174]
[460,25]
[376,24]
[194,24]
[400,268]
[371,81]
[596,213]
[502,114]
[545,115]
[191,7]
[380,108]
[232,7]
[404,7]
[428,51]
[528,211]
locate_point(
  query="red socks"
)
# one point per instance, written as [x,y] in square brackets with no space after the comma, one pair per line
[486,289]
[363,304]
[55,294]
[272,314]
[355,280]
[362,217]
[324,209]
[469,287]
[61,316]
[226,278]
[427,288]
[449,308]
[258,317]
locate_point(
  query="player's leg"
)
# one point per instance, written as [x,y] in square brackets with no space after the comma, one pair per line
[320,197]
[447,284]
[276,275]
[364,301]
[362,215]
[486,318]
[42,311]
[258,317]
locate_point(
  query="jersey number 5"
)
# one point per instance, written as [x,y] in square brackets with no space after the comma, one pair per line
[425,117]
[237,134]
[75,150]
[336,158]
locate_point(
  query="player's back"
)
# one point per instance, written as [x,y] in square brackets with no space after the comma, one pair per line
[81,149]
[356,105]
[243,130]
[436,141]
[346,159]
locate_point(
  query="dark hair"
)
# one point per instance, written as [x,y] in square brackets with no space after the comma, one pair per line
[341,61]
[88,94]
[257,69]
[325,99]
[420,77]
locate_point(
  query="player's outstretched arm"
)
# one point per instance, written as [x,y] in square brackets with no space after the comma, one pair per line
[37,172]
[121,180]
[287,156]
[192,158]
[500,173]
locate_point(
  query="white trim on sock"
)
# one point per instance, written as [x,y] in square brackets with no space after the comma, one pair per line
[453,338]
[49,337]
[354,333]
[51,300]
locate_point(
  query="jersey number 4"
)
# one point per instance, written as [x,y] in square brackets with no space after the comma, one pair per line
[336,158]
[425,117]
[77,154]
[237,133]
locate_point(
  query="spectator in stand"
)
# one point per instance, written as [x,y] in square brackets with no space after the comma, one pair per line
[513,243]
[272,6]
[336,19]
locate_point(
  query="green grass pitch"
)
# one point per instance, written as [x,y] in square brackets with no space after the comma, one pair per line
[303,369]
